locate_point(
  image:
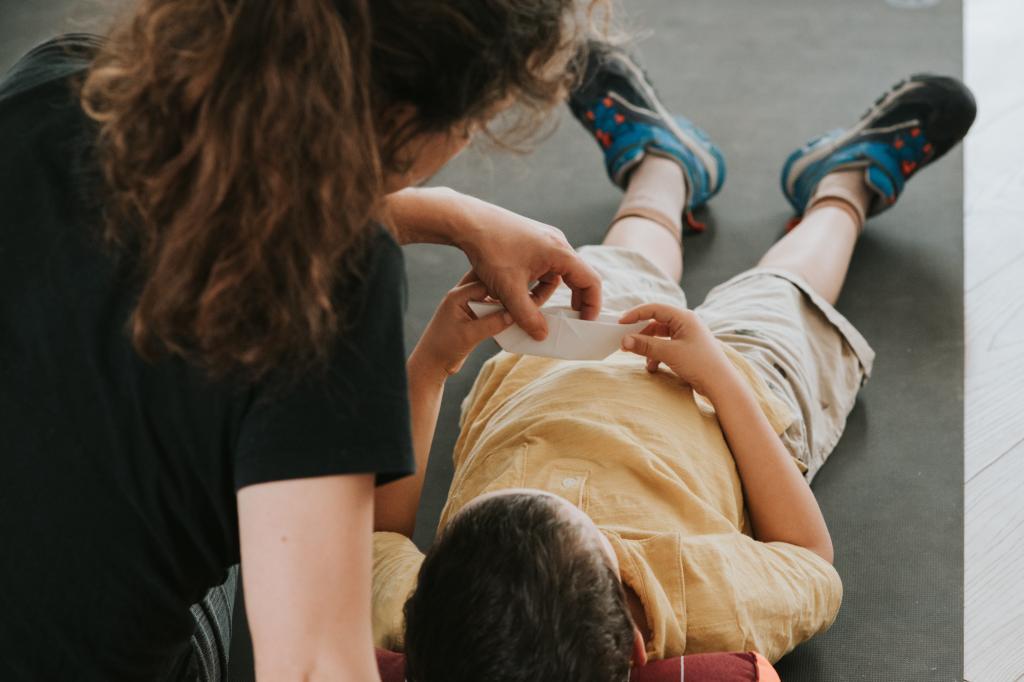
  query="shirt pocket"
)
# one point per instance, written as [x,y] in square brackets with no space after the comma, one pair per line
[567,478]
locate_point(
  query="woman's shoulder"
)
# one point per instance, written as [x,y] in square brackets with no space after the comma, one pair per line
[49,63]
[41,119]
[383,243]
[381,270]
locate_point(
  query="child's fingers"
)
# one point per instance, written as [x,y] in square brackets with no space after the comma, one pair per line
[655,329]
[668,315]
[468,278]
[470,291]
[652,365]
[651,347]
[490,325]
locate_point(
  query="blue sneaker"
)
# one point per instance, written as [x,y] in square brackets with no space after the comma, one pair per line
[916,122]
[616,102]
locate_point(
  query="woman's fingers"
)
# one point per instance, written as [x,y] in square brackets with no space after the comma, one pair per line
[546,286]
[584,282]
[524,311]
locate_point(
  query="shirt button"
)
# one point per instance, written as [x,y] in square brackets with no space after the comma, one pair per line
[569,482]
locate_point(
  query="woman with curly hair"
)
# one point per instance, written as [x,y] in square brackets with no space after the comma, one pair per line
[201,314]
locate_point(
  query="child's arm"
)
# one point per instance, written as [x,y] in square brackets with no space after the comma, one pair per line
[395,504]
[452,333]
[781,505]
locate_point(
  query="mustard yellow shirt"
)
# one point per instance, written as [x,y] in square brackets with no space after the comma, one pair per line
[647,461]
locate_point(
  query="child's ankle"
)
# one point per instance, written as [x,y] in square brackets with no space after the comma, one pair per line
[661,177]
[639,210]
[845,190]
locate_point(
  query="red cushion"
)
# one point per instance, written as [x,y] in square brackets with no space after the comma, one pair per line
[391,666]
[724,667]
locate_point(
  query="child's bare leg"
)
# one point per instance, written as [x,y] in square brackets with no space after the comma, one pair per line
[649,219]
[820,248]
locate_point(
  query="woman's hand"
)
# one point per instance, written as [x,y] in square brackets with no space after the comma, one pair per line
[679,339]
[507,251]
[455,331]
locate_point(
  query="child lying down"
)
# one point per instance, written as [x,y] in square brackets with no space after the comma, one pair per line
[657,503]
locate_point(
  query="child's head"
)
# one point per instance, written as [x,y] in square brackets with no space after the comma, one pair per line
[520,585]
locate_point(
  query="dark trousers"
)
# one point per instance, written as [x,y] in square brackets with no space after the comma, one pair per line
[211,641]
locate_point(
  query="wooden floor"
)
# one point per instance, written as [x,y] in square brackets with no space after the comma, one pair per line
[994,313]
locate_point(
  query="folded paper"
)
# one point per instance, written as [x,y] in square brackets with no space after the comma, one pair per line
[569,338]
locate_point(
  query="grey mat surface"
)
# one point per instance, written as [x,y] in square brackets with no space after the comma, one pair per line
[762,77]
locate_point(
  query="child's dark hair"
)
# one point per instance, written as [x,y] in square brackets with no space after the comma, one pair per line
[512,591]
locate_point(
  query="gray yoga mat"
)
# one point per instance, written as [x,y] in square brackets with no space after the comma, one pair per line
[762,77]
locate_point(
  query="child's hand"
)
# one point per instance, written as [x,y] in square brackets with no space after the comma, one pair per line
[681,340]
[455,331]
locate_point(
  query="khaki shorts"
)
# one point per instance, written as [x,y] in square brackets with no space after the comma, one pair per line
[809,355]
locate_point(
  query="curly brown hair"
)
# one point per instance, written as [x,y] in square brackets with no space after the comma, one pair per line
[245,145]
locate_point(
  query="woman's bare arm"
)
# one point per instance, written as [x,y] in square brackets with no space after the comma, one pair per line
[306,566]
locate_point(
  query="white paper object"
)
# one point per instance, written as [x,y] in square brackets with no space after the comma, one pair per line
[569,338]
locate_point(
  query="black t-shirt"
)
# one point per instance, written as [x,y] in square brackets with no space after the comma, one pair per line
[118,476]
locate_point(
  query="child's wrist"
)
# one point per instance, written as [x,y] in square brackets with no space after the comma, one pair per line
[723,382]
[424,369]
